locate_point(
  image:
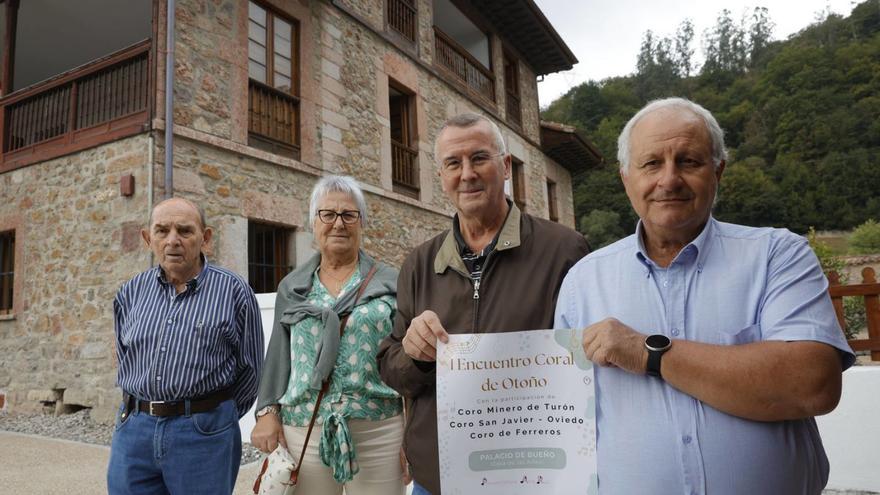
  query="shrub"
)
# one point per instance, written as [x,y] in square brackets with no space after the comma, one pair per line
[865,239]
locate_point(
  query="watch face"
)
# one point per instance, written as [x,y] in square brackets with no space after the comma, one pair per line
[658,342]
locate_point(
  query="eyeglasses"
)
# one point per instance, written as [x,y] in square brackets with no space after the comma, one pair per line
[477,160]
[349,217]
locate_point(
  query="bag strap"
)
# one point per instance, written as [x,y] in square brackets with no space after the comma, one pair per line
[259,479]
[363,287]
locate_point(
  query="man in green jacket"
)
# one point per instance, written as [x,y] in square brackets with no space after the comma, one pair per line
[496,270]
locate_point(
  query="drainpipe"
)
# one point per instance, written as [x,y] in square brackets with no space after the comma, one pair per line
[169,102]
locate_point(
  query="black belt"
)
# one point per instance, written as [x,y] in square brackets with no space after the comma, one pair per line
[176,407]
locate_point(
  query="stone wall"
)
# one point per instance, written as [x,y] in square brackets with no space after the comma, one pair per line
[80,241]
[853,266]
[235,188]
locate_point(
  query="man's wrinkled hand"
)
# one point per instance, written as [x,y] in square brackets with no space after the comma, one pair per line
[611,343]
[420,341]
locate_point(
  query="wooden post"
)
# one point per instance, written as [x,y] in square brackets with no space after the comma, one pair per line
[872,313]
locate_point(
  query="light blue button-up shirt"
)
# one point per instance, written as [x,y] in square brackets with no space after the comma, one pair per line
[731,285]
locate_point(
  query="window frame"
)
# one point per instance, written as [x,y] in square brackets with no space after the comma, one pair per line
[552,201]
[267,88]
[518,182]
[392,28]
[409,144]
[280,265]
[509,61]
[295,45]
[8,269]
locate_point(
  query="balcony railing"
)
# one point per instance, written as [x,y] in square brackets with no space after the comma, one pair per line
[102,100]
[401,16]
[403,166]
[869,292]
[454,58]
[273,115]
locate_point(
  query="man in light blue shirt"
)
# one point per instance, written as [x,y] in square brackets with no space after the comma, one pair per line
[716,344]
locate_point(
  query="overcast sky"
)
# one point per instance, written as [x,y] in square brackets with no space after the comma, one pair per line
[605,34]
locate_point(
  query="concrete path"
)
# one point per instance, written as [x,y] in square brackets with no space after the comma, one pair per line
[32,464]
[48,466]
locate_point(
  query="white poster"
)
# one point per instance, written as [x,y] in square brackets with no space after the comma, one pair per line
[516,414]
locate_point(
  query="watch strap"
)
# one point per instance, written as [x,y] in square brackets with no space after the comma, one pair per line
[654,358]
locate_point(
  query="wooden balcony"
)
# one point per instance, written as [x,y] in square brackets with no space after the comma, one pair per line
[273,117]
[463,66]
[401,17]
[98,102]
[403,168]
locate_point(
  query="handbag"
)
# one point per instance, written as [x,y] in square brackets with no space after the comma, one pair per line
[280,471]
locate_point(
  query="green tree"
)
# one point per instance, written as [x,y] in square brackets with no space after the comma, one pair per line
[726,49]
[801,117]
[747,195]
[601,228]
[656,70]
[760,34]
[684,51]
[865,239]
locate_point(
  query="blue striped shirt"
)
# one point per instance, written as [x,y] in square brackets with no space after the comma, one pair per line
[205,339]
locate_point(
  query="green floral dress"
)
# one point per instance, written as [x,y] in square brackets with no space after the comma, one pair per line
[356,390]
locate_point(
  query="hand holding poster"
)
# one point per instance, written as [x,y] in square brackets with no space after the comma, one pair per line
[516,414]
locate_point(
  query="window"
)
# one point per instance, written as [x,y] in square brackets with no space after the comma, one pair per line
[552,206]
[401,17]
[518,183]
[273,85]
[511,90]
[269,255]
[404,154]
[7,271]
[463,49]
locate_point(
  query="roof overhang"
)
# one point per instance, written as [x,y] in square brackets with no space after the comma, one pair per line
[568,147]
[524,26]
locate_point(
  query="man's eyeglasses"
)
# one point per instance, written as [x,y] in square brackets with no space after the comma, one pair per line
[349,217]
[477,160]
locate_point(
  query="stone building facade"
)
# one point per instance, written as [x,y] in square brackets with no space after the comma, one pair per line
[363,75]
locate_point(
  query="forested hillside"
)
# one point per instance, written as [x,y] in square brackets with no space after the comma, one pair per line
[801,116]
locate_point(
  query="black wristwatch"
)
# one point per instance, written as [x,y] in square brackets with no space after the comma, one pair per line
[656,344]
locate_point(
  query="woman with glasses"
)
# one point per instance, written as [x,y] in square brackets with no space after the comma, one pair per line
[358,427]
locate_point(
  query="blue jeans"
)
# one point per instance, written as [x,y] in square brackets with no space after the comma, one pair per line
[188,454]
[419,489]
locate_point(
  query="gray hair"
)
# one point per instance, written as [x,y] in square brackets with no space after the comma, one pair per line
[337,183]
[719,153]
[196,206]
[466,120]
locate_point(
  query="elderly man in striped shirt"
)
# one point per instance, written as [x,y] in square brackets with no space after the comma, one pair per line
[189,342]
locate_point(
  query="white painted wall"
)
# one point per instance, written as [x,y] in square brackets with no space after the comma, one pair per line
[851,433]
[267,312]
